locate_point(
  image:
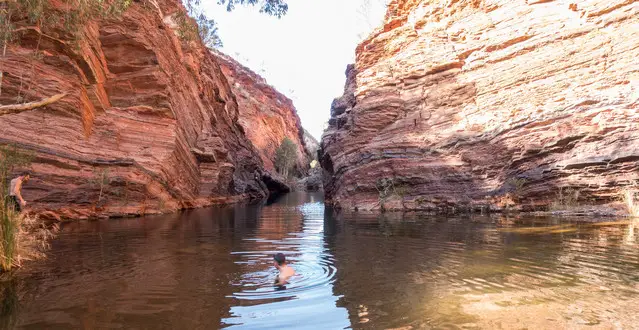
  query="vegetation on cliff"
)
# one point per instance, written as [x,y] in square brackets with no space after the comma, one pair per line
[466,107]
[198,25]
[68,17]
[115,90]
[19,16]
[286,156]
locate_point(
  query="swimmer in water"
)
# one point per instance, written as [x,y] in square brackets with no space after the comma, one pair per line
[285,270]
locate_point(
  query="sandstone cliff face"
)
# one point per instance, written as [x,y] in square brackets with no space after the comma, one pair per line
[312,145]
[150,123]
[472,103]
[266,115]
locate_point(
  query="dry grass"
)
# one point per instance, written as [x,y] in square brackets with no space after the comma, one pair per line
[630,201]
[23,238]
[566,200]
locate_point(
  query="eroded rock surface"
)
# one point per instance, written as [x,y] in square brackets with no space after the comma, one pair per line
[266,115]
[150,123]
[312,145]
[486,102]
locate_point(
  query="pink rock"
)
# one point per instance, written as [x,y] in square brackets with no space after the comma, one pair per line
[150,120]
[468,104]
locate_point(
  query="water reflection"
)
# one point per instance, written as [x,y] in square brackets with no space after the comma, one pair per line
[9,303]
[294,227]
[213,268]
[478,272]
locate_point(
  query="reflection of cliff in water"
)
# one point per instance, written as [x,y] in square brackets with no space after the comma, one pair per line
[389,260]
[293,226]
[133,271]
[395,271]
[211,268]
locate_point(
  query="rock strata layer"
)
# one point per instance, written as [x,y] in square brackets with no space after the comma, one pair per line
[487,103]
[266,115]
[150,123]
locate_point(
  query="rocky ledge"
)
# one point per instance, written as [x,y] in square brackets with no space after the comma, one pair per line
[150,123]
[489,104]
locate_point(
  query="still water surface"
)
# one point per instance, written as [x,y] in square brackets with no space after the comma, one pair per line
[211,268]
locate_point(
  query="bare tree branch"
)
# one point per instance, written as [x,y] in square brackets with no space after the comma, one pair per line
[17,108]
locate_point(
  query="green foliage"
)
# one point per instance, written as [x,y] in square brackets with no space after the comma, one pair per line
[87,10]
[186,30]
[41,13]
[200,26]
[286,156]
[206,29]
[277,8]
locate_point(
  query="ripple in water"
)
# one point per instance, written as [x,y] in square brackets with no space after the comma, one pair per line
[310,274]
[305,252]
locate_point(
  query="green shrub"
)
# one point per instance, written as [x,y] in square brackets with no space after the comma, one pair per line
[286,156]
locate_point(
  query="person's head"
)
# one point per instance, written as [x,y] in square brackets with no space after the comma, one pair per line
[26,175]
[280,259]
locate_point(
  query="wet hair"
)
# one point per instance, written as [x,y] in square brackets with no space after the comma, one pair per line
[280,258]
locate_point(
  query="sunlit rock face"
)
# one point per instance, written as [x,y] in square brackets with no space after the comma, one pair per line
[312,145]
[266,115]
[150,123]
[469,104]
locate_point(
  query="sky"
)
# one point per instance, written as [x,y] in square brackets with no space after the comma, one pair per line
[304,54]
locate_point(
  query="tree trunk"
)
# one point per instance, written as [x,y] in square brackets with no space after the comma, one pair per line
[17,108]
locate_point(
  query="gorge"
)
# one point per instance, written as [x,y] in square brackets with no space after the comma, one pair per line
[461,176]
[152,122]
[486,104]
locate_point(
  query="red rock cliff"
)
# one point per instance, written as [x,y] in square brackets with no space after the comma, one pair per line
[266,115]
[464,103]
[150,123]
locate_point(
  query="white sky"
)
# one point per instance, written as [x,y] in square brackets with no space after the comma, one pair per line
[304,54]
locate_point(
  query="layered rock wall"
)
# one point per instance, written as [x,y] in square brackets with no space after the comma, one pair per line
[150,123]
[487,103]
[266,115]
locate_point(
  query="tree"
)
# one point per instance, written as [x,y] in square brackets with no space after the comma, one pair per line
[277,8]
[207,28]
[285,156]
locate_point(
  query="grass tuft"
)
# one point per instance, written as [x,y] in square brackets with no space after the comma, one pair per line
[22,238]
[630,201]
